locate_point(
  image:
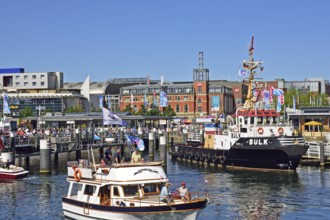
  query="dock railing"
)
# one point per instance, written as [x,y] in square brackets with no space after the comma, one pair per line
[314,150]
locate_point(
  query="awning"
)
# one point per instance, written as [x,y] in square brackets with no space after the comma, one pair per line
[316,123]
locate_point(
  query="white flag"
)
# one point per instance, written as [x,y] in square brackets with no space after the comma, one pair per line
[161,80]
[110,119]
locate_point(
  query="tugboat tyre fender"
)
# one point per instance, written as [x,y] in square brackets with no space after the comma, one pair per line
[222,159]
[280,131]
[77,175]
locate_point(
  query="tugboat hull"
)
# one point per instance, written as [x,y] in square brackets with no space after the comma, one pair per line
[274,156]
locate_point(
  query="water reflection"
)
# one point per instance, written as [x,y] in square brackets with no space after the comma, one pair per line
[235,194]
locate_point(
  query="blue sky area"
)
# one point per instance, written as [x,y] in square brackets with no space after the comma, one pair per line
[135,38]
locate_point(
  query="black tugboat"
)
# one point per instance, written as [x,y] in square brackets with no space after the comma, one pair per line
[252,138]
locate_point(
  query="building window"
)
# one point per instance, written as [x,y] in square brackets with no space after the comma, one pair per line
[17,77]
[177,98]
[25,77]
[42,83]
[199,109]
[185,108]
[127,99]
[34,83]
[169,98]
[42,76]
[17,83]
[185,98]
[34,77]
[177,108]
[26,84]
[199,89]
[199,101]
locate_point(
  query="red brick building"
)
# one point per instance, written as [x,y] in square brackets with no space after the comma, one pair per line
[197,98]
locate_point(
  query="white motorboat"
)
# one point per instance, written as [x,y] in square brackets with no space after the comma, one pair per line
[125,191]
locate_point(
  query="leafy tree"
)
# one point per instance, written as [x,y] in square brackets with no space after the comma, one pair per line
[72,109]
[142,111]
[168,111]
[153,112]
[129,108]
[26,112]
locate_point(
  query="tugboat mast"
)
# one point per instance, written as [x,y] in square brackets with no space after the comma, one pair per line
[251,65]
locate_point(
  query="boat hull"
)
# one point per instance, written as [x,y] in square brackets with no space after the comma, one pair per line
[80,210]
[13,175]
[272,156]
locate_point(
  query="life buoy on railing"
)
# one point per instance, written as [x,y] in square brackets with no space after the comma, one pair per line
[77,175]
[222,159]
[280,131]
[260,130]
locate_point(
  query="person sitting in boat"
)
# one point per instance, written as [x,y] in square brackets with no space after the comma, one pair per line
[165,194]
[108,155]
[136,156]
[103,163]
[118,156]
[183,192]
[81,163]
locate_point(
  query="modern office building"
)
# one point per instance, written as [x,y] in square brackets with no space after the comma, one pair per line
[42,91]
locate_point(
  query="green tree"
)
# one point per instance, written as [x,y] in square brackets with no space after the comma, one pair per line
[26,112]
[142,111]
[168,111]
[72,109]
[129,108]
[153,112]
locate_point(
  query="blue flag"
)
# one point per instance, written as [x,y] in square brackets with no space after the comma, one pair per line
[242,72]
[163,99]
[6,108]
[135,140]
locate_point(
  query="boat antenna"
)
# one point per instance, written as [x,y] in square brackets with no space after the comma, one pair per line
[250,66]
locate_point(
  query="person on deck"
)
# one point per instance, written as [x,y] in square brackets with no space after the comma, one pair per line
[183,191]
[108,155]
[103,163]
[118,156]
[136,156]
[165,194]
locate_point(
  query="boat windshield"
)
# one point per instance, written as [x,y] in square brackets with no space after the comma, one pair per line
[131,190]
[151,188]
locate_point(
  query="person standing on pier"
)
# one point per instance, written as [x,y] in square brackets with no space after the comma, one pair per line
[108,155]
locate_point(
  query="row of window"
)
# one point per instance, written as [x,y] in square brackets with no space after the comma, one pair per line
[17,77]
[157,90]
[169,98]
[27,84]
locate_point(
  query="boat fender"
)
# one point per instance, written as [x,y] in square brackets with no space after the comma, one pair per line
[280,131]
[222,159]
[77,175]
[260,130]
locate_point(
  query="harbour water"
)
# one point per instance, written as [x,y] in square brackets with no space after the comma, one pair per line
[235,194]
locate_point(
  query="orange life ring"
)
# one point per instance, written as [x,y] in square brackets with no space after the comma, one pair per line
[77,175]
[280,131]
[260,130]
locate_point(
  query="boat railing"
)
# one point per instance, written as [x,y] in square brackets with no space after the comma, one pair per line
[149,200]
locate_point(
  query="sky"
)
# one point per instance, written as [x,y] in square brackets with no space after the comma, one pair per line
[135,38]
